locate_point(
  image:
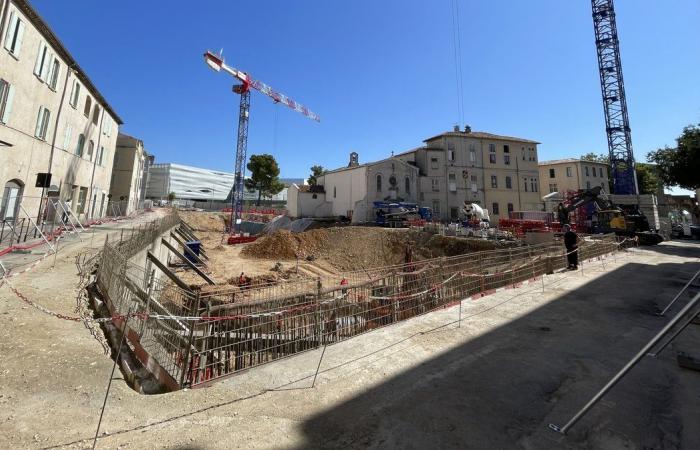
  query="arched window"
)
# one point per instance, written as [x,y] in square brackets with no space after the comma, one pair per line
[11,198]
[379,183]
[408,186]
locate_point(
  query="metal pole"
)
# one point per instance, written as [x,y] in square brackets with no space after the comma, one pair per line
[35,226]
[149,292]
[319,365]
[109,385]
[674,335]
[459,321]
[626,368]
[55,252]
[680,293]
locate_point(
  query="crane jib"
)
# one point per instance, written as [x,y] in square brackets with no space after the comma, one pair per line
[281,98]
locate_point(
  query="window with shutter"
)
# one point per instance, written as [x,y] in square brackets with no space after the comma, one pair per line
[55,73]
[41,57]
[14,34]
[75,94]
[88,106]
[67,136]
[81,145]
[6,94]
[42,123]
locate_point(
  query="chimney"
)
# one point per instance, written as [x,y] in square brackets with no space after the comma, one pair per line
[467,129]
[354,159]
[456,129]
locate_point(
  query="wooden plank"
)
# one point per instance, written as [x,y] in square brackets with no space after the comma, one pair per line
[189,263]
[181,284]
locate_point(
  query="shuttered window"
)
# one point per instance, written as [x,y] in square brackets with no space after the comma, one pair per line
[42,123]
[14,34]
[7,92]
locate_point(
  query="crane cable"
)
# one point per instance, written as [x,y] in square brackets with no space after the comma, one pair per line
[275,127]
[457,45]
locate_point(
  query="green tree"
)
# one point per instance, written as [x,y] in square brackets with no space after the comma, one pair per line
[264,176]
[680,166]
[171,197]
[596,157]
[647,178]
[316,171]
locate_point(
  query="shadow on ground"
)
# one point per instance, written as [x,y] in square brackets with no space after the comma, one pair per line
[501,390]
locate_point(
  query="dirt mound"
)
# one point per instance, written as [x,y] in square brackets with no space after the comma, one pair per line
[204,221]
[283,244]
[357,248]
[347,248]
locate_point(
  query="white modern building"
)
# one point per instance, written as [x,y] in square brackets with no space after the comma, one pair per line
[57,132]
[193,185]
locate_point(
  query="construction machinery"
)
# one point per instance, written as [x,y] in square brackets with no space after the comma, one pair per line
[216,63]
[612,87]
[625,220]
[474,214]
[399,214]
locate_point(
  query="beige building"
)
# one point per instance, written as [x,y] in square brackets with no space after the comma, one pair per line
[52,120]
[351,191]
[571,174]
[129,175]
[496,172]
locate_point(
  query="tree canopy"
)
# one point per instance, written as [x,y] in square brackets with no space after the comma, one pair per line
[264,176]
[647,177]
[680,166]
[316,171]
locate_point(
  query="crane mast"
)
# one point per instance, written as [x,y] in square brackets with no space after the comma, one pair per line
[216,63]
[614,101]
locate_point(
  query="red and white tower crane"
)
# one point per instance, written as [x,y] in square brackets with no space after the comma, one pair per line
[216,62]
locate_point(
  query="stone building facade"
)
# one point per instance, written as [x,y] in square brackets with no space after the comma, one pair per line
[53,120]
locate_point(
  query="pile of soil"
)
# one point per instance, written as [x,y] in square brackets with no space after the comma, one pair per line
[284,244]
[356,248]
[204,221]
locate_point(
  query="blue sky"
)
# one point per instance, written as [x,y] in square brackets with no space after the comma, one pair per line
[379,73]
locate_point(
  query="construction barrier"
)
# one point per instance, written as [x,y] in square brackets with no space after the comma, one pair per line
[197,336]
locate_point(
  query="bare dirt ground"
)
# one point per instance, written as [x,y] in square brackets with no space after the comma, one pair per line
[520,360]
[328,252]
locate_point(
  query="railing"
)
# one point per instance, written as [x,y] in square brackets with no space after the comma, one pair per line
[241,329]
[202,335]
[129,289]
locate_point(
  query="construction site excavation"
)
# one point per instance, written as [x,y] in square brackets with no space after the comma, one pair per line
[204,314]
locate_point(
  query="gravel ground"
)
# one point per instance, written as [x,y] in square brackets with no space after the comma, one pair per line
[521,359]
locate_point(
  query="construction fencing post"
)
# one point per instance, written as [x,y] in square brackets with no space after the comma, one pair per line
[643,352]
[680,293]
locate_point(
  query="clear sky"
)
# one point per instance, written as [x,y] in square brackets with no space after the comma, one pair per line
[379,73]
